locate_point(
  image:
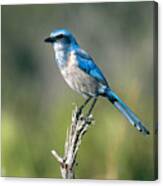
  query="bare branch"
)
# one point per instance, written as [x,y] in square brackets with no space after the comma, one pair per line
[78,128]
[58,158]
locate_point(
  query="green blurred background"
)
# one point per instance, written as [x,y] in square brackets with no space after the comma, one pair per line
[37,104]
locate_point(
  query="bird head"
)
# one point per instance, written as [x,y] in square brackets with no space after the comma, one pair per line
[61,38]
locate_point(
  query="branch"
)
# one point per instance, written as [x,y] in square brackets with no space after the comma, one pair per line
[78,128]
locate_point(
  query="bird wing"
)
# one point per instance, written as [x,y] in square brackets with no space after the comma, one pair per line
[86,63]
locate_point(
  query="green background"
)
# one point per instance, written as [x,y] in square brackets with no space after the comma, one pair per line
[37,104]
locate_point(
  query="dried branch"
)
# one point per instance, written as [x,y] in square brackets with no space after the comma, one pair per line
[78,128]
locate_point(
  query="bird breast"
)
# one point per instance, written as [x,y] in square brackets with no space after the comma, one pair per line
[78,80]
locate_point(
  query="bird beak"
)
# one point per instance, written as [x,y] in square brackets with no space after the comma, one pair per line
[49,40]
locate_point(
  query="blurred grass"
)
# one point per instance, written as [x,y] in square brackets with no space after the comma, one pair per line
[37,104]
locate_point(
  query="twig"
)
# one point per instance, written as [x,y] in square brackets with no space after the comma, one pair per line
[78,128]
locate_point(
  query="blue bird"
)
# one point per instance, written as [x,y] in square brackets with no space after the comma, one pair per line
[84,76]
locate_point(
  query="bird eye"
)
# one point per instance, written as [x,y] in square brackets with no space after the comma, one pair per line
[60,36]
[64,38]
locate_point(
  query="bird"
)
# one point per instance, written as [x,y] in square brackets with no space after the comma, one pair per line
[83,75]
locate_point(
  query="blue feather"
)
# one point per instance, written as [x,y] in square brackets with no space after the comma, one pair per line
[86,63]
[125,110]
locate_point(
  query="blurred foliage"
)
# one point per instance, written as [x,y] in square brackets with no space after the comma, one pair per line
[37,104]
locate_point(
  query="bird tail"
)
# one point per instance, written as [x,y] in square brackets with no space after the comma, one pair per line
[126,111]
